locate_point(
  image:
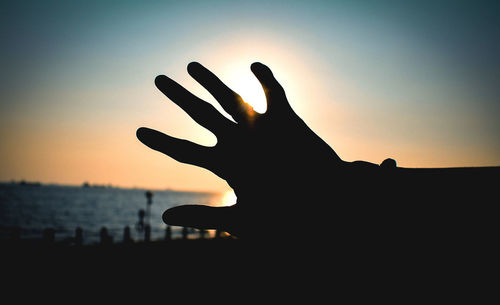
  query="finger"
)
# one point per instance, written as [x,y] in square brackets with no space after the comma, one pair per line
[181,150]
[230,101]
[197,216]
[202,112]
[275,94]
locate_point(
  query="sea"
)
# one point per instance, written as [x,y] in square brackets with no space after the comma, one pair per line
[32,208]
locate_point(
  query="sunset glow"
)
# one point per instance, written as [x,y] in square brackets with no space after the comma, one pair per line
[373,81]
[249,88]
[228,199]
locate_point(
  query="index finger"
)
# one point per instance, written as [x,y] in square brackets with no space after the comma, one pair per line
[202,112]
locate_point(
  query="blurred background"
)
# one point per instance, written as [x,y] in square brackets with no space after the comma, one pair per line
[417,81]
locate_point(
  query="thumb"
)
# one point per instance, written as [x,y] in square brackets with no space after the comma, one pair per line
[198,216]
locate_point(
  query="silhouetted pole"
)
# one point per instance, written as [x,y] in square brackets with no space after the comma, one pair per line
[149,196]
[147,233]
[147,227]
[184,232]
[140,225]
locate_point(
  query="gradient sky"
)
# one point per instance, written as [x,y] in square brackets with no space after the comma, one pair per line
[416,81]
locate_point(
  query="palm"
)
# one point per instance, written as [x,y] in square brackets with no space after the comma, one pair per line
[273,161]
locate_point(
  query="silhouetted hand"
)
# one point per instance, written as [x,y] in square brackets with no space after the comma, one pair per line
[282,173]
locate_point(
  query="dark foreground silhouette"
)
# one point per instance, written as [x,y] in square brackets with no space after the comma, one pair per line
[304,217]
[285,176]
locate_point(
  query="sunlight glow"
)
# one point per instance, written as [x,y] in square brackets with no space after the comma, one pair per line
[249,88]
[229,198]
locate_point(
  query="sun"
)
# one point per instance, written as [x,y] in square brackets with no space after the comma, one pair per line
[249,88]
[228,198]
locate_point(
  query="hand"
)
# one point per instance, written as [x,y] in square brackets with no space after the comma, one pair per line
[282,173]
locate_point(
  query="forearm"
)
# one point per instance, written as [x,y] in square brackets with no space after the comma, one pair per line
[468,185]
[423,200]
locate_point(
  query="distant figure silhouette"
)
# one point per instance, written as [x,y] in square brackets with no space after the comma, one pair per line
[284,175]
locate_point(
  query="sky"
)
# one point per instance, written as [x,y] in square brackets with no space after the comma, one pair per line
[417,81]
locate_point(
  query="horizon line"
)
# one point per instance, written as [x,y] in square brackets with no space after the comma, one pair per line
[104,185]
